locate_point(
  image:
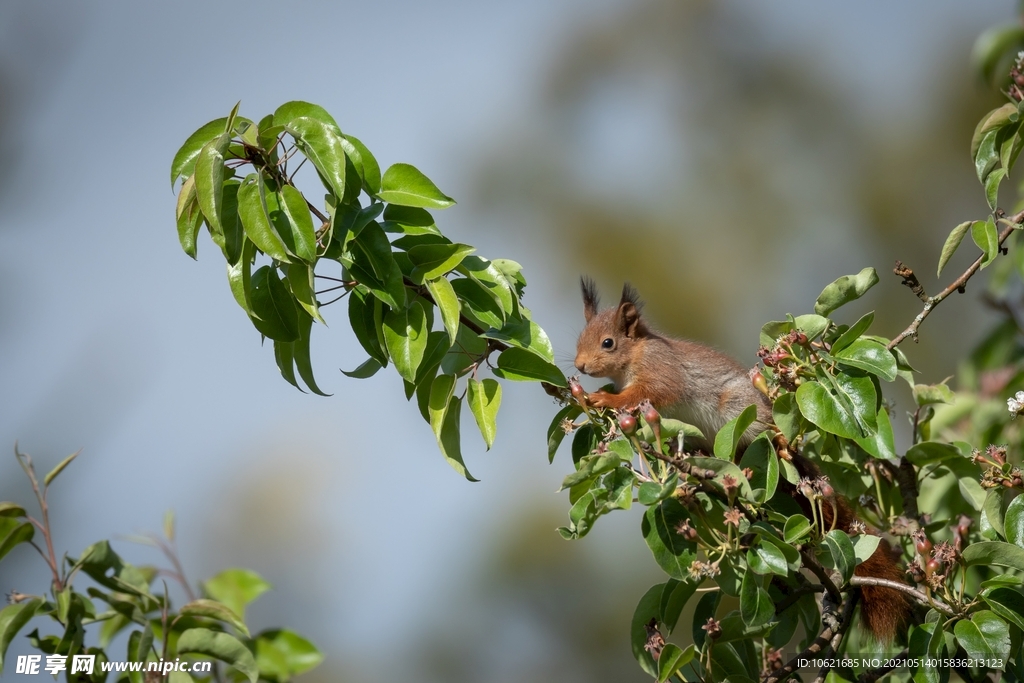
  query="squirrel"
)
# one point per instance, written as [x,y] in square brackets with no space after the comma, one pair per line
[688,381]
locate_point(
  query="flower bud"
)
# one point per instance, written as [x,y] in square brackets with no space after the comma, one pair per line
[627,423]
[759,382]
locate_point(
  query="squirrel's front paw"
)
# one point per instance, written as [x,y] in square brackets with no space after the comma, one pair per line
[601,399]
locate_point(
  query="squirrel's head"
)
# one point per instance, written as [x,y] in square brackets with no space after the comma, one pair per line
[607,345]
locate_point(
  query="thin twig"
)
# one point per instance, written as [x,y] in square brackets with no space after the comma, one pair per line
[811,562]
[909,590]
[833,626]
[958,285]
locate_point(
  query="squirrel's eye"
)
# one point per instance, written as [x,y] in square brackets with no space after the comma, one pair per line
[608,343]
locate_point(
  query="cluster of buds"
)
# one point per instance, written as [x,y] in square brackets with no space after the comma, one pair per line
[686,530]
[813,489]
[1015,404]
[961,531]
[655,641]
[704,570]
[932,563]
[999,472]
[1016,89]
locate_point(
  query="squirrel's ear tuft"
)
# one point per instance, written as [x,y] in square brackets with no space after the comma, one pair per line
[590,297]
[630,295]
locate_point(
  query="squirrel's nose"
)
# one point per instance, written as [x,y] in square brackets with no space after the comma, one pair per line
[581,365]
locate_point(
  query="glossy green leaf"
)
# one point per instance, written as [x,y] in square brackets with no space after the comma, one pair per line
[881,444]
[409,220]
[405,185]
[300,352]
[729,435]
[252,209]
[449,439]
[844,290]
[12,619]
[523,366]
[871,356]
[300,223]
[434,260]
[322,144]
[211,609]
[13,534]
[273,309]
[185,158]
[723,468]
[283,654]
[1013,522]
[768,559]
[797,528]
[853,333]
[786,415]
[236,588]
[987,155]
[209,181]
[994,552]
[289,111]
[240,277]
[367,368]
[986,236]
[492,280]
[524,334]
[672,659]
[52,474]
[992,511]
[810,324]
[827,409]
[484,401]
[956,236]
[477,304]
[301,281]
[843,555]
[365,163]
[985,636]
[864,546]
[673,553]
[1007,603]
[761,459]
[405,335]
[447,302]
[756,606]
[221,646]
[992,182]
[647,609]
[362,318]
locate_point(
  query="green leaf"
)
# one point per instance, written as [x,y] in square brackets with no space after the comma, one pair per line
[843,556]
[8,509]
[12,619]
[786,415]
[952,242]
[289,111]
[673,553]
[853,333]
[283,654]
[706,608]
[361,317]
[769,560]
[209,182]
[1007,603]
[844,290]
[555,431]
[252,209]
[409,220]
[672,659]
[236,588]
[1013,522]
[647,609]
[992,182]
[810,324]
[405,185]
[405,335]
[211,609]
[524,334]
[302,282]
[989,51]
[484,401]
[240,277]
[300,351]
[367,368]
[796,529]
[299,222]
[925,394]
[992,510]
[449,438]
[185,158]
[219,645]
[434,260]
[986,236]
[761,459]
[13,534]
[864,546]
[985,636]
[729,435]
[273,309]
[871,356]
[829,408]
[59,468]
[994,552]
[492,280]
[928,452]
[323,146]
[523,366]
[448,303]
[756,606]
[365,163]
[477,303]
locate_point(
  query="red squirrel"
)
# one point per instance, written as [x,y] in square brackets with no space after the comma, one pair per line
[689,381]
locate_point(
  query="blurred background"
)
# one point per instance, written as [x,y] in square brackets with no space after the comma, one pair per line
[729,158]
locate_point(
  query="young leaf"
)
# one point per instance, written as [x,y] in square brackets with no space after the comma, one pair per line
[282,654]
[797,528]
[729,436]
[449,438]
[555,431]
[13,534]
[188,216]
[367,368]
[405,335]
[843,556]
[289,111]
[844,290]
[435,260]
[756,606]
[448,303]
[1013,522]
[212,609]
[222,646]
[361,317]
[300,351]
[853,333]
[299,222]
[864,546]
[365,163]
[405,185]
[12,619]
[185,158]
[59,468]
[322,144]
[236,588]
[484,401]
[273,309]
[252,209]
[209,181]
[673,659]
[523,366]
[870,356]
[992,183]
[986,236]
[240,277]
[823,409]
[956,236]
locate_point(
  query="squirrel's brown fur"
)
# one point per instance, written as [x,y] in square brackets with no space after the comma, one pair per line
[694,383]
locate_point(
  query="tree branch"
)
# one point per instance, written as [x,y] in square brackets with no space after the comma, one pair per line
[922,598]
[906,479]
[833,628]
[957,285]
[811,562]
